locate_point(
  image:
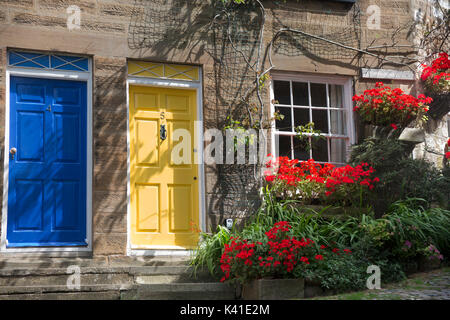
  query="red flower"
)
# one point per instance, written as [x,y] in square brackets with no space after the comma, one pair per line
[319,257]
[394,126]
[447,155]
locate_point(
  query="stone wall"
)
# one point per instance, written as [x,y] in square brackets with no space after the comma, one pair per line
[105,36]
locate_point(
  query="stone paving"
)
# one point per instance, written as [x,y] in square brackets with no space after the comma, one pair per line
[433,285]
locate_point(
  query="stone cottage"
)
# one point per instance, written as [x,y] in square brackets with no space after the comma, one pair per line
[94,91]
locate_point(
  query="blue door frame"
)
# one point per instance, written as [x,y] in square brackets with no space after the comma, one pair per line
[47,174]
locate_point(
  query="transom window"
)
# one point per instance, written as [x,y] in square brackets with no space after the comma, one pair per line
[47,61]
[324,102]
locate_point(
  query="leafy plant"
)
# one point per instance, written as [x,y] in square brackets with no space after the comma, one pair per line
[308,136]
[210,249]
[408,229]
[400,175]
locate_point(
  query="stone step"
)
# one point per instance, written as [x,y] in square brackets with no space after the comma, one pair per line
[61,279]
[118,278]
[62,289]
[103,275]
[180,291]
[100,295]
[114,261]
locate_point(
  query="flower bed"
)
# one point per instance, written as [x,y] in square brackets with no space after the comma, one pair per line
[279,256]
[307,181]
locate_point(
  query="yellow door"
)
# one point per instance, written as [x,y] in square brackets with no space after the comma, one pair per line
[163,183]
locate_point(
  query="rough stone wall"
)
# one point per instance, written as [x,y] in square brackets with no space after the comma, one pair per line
[436,130]
[110,156]
[104,35]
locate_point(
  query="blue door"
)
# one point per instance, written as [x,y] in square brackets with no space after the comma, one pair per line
[47,163]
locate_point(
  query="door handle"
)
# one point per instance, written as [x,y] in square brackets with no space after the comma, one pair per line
[12,151]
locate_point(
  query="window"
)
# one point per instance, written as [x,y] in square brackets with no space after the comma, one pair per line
[324,101]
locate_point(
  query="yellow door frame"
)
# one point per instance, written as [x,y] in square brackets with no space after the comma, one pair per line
[170,84]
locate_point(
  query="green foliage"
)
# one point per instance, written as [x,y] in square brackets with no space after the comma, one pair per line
[340,273]
[308,136]
[407,229]
[210,249]
[401,176]
[383,242]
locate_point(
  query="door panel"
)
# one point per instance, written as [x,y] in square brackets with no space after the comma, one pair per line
[147,134]
[47,175]
[30,208]
[163,194]
[30,136]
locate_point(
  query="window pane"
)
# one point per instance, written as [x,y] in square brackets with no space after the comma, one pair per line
[336,92]
[320,150]
[286,123]
[300,93]
[318,95]
[338,122]
[282,92]
[300,149]
[320,119]
[283,146]
[301,116]
[338,150]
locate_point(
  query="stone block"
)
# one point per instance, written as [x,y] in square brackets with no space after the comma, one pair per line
[61,6]
[21,3]
[109,244]
[110,223]
[110,201]
[414,135]
[37,20]
[273,289]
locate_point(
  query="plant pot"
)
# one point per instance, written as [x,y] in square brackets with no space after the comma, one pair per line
[381,132]
[274,289]
[313,288]
[440,105]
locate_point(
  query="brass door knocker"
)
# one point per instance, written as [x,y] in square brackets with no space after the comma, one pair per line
[163,132]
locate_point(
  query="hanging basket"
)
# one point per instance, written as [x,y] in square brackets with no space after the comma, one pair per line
[440,105]
[381,132]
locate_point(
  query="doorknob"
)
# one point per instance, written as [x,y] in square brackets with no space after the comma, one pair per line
[12,151]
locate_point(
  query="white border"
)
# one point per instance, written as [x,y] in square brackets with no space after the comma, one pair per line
[176,84]
[323,78]
[63,75]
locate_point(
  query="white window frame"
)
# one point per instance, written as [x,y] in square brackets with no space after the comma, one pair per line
[346,82]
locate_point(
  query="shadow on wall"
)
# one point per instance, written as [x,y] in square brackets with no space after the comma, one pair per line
[110,156]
